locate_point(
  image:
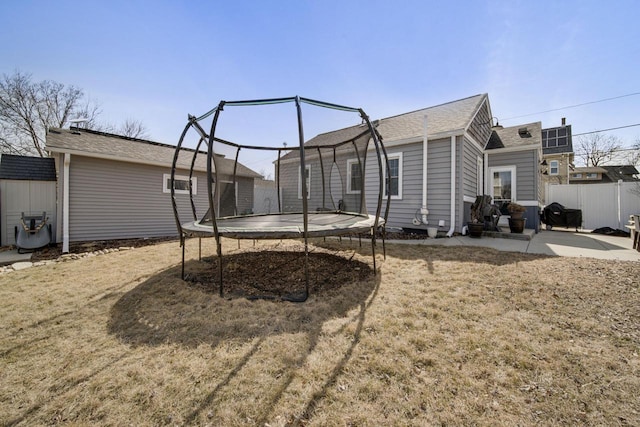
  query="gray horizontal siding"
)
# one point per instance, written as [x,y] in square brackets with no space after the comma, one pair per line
[526,171]
[116,200]
[439,181]
[328,184]
[403,211]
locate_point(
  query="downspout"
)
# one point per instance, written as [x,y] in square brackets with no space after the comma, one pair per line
[453,187]
[65,203]
[424,211]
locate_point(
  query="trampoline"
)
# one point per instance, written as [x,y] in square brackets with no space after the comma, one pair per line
[328,199]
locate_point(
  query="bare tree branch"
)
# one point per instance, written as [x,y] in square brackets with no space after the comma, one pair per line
[596,148]
[29,109]
[133,129]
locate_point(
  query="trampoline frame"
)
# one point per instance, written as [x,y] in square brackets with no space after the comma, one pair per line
[217,228]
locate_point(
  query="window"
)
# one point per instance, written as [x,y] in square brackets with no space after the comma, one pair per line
[354,177]
[592,175]
[554,167]
[393,182]
[556,137]
[577,176]
[307,170]
[180,184]
[503,185]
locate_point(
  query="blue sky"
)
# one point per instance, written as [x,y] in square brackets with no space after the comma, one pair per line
[157,61]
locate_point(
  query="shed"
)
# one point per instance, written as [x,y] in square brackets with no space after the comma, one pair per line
[116,187]
[27,184]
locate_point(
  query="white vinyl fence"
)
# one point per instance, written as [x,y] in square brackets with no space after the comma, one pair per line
[602,205]
[265,199]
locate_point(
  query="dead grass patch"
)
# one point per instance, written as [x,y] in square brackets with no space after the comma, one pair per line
[439,336]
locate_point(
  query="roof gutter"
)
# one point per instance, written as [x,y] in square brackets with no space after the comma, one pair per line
[93,155]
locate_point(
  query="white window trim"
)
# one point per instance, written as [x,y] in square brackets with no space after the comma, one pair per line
[349,189]
[512,169]
[557,167]
[166,189]
[308,167]
[384,175]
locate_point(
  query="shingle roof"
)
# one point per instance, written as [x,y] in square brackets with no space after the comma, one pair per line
[91,143]
[624,172]
[449,117]
[27,168]
[443,118]
[589,169]
[516,136]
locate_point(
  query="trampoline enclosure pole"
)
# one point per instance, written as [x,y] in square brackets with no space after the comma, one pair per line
[305,195]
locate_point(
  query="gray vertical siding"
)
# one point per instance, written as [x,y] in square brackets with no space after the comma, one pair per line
[480,128]
[116,200]
[470,153]
[30,197]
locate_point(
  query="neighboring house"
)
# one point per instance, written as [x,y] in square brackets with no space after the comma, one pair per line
[115,187]
[604,174]
[512,160]
[557,155]
[437,161]
[27,185]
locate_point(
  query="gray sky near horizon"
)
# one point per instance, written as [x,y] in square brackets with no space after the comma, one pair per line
[157,61]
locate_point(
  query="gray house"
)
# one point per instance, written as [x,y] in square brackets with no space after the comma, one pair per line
[512,160]
[114,187]
[438,160]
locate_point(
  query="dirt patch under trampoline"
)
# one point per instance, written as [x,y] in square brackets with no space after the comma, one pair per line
[277,273]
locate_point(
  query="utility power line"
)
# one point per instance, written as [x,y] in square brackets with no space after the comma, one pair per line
[573,106]
[606,130]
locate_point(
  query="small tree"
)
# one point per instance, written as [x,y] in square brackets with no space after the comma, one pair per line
[28,109]
[597,148]
[130,128]
[634,154]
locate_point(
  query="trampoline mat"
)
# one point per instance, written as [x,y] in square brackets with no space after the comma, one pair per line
[284,226]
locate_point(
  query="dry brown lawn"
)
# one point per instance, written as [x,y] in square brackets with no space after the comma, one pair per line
[440,336]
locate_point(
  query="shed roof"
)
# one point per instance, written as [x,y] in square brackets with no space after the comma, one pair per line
[90,143]
[516,136]
[27,168]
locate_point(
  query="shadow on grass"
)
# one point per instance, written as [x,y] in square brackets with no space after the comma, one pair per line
[408,251]
[165,309]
